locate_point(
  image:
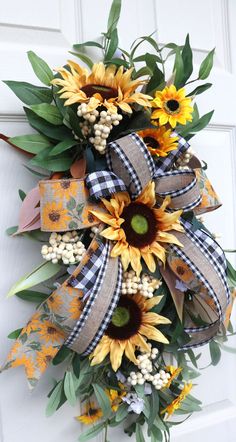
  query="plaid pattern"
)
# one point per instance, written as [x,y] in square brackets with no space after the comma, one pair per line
[213,252]
[92,296]
[109,313]
[134,179]
[86,278]
[103,184]
[164,164]
[140,143]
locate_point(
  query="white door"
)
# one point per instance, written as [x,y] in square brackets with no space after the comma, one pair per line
[49,28]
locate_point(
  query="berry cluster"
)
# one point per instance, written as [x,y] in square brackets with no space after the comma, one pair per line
[146,374]
[145,284]
[66,247]
[183,160]
[100,124]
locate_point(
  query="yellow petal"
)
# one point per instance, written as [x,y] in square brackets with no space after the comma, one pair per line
[116,353]
[152,333]
[148,196]
[129,352]
[155,319]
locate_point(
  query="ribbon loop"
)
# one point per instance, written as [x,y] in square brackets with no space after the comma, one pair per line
[102,184]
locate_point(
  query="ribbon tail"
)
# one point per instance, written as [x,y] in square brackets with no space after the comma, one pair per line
[177,296]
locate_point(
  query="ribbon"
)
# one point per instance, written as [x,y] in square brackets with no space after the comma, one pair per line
[79,311]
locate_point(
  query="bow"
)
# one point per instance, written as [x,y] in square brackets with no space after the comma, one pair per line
[78,312]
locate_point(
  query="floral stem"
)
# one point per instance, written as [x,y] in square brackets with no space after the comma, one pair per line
[105,433]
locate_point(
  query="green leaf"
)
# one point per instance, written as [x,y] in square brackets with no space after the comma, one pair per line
[11,230]
[113,44]
[76,365]
[41,125]
[63,146]
[54,164]
[69,388]
[156,435]
[33,143]
[42,273]
[154,408]
[139,434]
[40,67]
[22,194]
[74,122]
[15,334]
[114,16]
[55,399]
[84,58]
[48,112]
[206,65]
[121,413]
[228,349]
[200,89]
[91,432]
[63,354]
[32,296]
[81,46]
[30,94]
[103,400]
[178,69]
[187,57]
[118,62]
[215,352]
[71,204]
[197,125]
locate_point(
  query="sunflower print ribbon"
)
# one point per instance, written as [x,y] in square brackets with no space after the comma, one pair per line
[71,309]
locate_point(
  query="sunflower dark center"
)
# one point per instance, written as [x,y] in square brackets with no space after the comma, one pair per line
[54,216]
[105,91]
[152,142]
[92,411]
[133,320]
[172,105]
[51,330]
[140,225]
[65,184]
[180,270]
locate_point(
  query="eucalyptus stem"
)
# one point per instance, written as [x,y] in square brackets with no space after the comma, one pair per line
[106,432]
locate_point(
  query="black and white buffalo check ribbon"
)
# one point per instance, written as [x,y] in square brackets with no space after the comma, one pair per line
[102,184]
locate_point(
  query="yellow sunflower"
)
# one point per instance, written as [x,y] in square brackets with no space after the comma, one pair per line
[65,189]
[175,404]
[54,302]
[54,216]
[50,333]
[115,398]
[138,228]
[91,414]
[174,373]
[172,106]
[45,356]
[76,307]
[159,141]
[27,363]
[131,325]
[181,269]
[107,86]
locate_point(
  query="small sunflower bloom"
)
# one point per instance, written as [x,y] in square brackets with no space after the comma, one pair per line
[171,106]
[160,141]
[91,414]
[176,403]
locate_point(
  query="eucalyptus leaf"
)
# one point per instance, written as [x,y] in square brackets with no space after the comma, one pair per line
[139,433]
[15,333]
[63,354]
[215,352]
[103,400]
[32,143]
[83,58]
[121,413]
[154,408]
[40,67]
[30,94]
[187,57]
[91,432]
[178,69]
[69,388]
[43,126]
[114,16]
[54,399]
[206,65]
[113,44]
[11,230]
[81,46]
[48,112]
[200,89]
[43,272]
[32,296]
[63,146]
[22,194]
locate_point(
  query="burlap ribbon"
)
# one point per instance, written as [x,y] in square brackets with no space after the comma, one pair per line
[79,311]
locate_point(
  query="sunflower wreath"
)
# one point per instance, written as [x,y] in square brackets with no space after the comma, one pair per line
[135,281]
